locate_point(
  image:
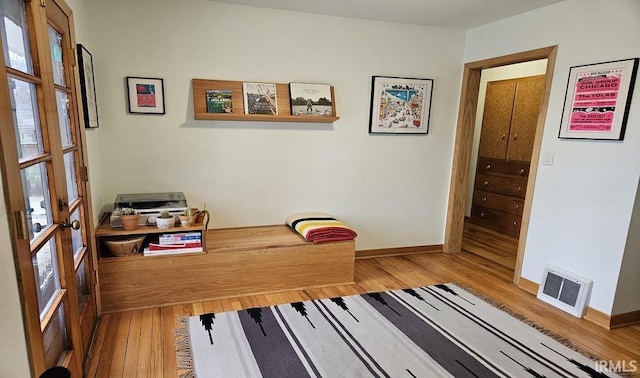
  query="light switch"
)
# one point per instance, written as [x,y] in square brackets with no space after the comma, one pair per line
[547,158]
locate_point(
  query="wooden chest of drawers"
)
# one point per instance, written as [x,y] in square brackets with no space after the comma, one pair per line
[498,195]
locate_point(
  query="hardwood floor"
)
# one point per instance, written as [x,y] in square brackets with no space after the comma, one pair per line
[141,343]
[492,245]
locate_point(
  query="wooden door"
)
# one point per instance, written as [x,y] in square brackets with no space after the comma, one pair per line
[528,98]
[496,120]
[45,185]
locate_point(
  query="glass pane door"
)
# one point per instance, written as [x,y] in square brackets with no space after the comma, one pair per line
[42,155]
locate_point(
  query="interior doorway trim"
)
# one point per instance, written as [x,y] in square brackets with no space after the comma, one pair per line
[464,140]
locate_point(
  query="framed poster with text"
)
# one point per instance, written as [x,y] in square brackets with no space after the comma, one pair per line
[597,100]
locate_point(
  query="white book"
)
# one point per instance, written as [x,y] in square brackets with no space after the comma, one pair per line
[147,252]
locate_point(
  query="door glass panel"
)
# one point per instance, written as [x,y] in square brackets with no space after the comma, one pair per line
[15,41]
[70,173]
[25,118]
[55,338]
[76,235]
[62,100]
[55,42]
[47,276]
[36,197]
[81,282]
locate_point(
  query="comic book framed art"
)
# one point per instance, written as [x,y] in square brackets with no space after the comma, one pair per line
[400,105]
[597,100]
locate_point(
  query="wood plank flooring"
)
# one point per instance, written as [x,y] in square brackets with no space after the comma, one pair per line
[490,244]
[141,343]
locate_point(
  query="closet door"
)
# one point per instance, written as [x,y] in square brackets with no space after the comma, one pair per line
[528,98]
[496,120]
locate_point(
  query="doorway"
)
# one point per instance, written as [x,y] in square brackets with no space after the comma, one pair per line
[465,130]
[508,106]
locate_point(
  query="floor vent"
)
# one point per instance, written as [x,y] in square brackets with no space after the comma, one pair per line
[565,290]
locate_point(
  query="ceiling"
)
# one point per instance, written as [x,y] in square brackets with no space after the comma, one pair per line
[459,14]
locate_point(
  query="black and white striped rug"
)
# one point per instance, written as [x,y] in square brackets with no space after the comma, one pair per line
[431,331]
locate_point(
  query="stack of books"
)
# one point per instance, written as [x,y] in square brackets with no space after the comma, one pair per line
[169,244]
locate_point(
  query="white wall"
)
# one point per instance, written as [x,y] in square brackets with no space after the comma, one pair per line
[582,204]
[93,146]
[14,361]
[626,299]
[392,189]
[512,71]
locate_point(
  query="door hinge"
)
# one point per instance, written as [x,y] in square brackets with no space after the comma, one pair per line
[74,55]
[20,220]
[84,174]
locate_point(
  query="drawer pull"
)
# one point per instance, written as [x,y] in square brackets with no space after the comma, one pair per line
[515,137]
[484,199]
[519,189]
[482,214]
[515,223]
[485,183]
[521,171]
[503,136]
[516,206]
[488,167]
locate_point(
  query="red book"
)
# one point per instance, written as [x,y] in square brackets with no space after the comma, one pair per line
[161,247]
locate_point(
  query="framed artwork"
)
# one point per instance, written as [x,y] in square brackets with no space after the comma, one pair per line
[311,99]
[146,95]
[597,100]
[260,98]
[87,88]
[400,105]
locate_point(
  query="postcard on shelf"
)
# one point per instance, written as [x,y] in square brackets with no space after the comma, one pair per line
[219,101]
[260,98]
[311,99]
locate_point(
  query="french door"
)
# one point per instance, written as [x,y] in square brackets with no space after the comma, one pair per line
[43,165]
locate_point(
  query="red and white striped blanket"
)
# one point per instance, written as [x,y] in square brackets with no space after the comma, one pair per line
[320,227]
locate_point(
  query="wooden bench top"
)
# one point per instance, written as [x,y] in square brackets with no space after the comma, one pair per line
[249,238]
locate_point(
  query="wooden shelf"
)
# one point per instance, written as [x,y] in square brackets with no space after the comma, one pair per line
[104,230]
[200,87]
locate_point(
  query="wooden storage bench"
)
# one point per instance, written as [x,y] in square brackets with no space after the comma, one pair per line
[238,261]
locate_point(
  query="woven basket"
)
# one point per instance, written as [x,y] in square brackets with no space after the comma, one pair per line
[125,246]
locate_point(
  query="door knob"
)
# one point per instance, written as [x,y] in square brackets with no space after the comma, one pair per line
[74,225]
[37,227]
